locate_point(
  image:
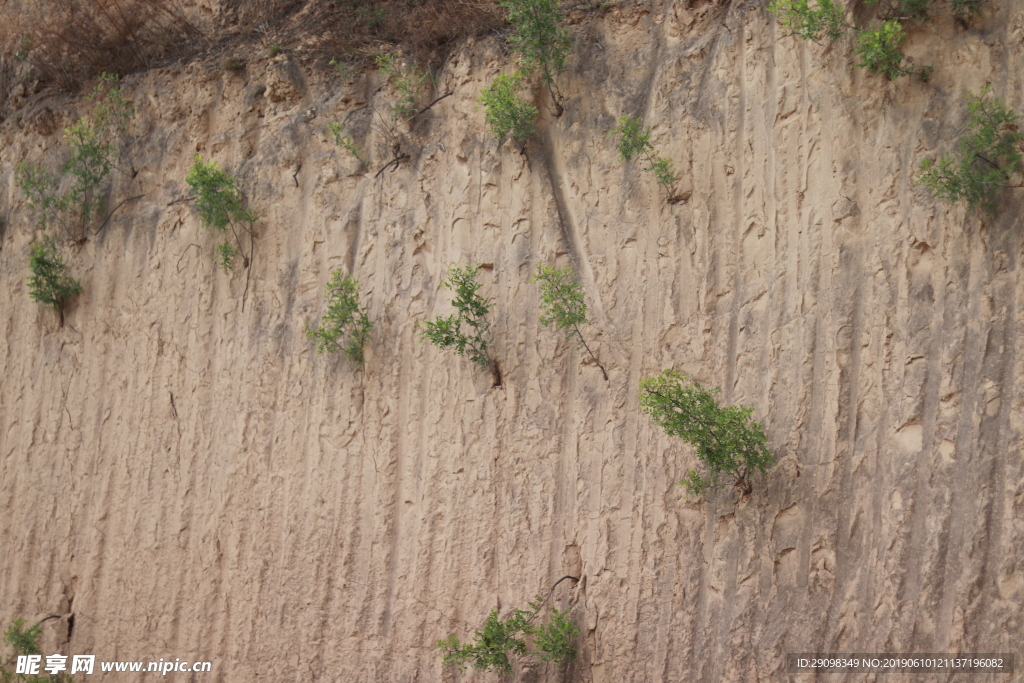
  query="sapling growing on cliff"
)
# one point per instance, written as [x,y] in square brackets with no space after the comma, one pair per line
[563,304]
[508,114]
[345,326]
[408,81]
[725,440]
[346,142]
[881,51]
[465,331]
[988,158]
[824,20]
[220,209]
[515,636]
[540,39]
[92,143]
[50,284]
[635,141]
[24,642]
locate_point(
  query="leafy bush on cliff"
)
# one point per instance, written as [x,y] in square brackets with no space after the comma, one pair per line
[407,79]
[499,639]
[24,641]
[508,114]
[91,142]
[635,141]
[50,284]
[725,440]
[988,156]
[464,332]
[220,208]
[563,304]
[824,20]
[345,326]
[540,38]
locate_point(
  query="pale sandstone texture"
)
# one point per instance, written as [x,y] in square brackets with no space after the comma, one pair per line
[189,479]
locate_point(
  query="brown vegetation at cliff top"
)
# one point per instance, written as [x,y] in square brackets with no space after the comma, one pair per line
[68,42]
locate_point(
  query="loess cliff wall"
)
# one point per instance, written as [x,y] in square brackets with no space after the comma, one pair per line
[187,478]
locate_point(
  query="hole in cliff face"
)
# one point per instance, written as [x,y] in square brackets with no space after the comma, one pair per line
[71,626]
[496,374]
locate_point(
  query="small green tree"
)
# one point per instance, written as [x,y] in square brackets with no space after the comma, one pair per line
[563,304]
[508,114]
[50,284]
[824,20]
[408,81]
[540,39]
[345,326]
[348,144]
[24,641]
[635,141]
[554,640]
[881,51]
[464,332]
[93,156]
[726,440]
[989,156]
[220,208]
[499,639]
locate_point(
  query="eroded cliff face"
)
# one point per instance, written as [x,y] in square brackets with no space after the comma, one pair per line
[188,479]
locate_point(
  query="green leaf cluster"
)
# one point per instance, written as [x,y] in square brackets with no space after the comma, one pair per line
[635,141]
[464,331]
[92,159]
[345,326]
[346,142]
[50,284]
[824,20]
[408,82]
[725,439]
[563,304]
[881,49]
[25,641]
[989,155]
[220,206]
[509,115]
[540,38]
[499,639]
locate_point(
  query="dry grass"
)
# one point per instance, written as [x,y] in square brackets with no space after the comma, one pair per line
[425,29]
[70,41]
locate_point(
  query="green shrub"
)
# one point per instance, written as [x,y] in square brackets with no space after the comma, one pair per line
[93,155]
[274,50]
[345,326]
[881,49]
[508,114]
[554,640]
[725,440]
[492,646]
[25,641]
[464,332]
[540,37]
[989,156]
[50,284]
[563,304]
[408,81]
[824,20]
[348,144]
[220,208]
[635,141]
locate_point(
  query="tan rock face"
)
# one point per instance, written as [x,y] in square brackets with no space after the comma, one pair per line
[188,479]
